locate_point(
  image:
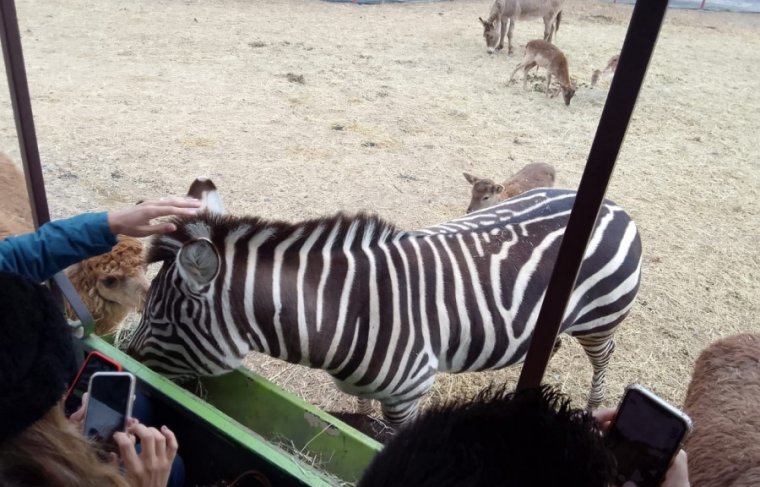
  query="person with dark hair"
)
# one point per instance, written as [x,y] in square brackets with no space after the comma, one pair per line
[500,438]
[530,438]
[38,445]
[61,243]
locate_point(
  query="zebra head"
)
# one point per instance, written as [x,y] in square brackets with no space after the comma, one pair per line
[182,332]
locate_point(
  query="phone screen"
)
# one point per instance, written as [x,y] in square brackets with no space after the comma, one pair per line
[644,437]
[108,405]
[94,363]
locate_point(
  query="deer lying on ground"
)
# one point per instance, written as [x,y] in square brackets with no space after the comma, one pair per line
[548,56]
[608,71]
[505,12]
[485,192]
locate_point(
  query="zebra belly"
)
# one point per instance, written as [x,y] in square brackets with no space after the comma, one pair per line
[398,389]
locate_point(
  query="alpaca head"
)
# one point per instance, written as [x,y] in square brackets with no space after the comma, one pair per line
[113,284]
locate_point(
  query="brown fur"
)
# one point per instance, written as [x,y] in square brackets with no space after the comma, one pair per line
[114,284]
[722,400]
[15,214]
[486,193]
[111,285]
[548,56]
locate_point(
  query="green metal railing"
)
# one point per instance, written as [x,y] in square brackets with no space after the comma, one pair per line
[266,420]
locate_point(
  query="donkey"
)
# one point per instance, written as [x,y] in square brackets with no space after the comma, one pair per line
[505,12]
[548,56]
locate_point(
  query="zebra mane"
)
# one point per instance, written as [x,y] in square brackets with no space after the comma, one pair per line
[217,227]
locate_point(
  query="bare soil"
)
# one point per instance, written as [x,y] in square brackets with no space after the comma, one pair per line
[299,108]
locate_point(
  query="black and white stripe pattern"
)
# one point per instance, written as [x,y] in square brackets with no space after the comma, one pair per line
[382,310]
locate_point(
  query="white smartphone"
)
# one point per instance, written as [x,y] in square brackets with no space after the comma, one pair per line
[645,437]
[109,405]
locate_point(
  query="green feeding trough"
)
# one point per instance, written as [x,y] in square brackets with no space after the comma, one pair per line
[241,423]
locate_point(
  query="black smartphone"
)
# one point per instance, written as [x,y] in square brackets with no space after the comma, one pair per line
[95,362]
[109,405]
[645,436]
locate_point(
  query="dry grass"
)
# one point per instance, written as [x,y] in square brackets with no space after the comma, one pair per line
[136,99]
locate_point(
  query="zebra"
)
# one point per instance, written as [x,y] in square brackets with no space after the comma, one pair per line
[378,308]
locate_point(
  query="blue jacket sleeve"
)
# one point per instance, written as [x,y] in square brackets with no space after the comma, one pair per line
[56,245]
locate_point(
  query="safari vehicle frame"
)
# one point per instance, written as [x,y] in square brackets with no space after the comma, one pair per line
[244,423]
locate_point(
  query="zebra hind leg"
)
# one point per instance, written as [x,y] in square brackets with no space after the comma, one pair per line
[400,413]
[599,349]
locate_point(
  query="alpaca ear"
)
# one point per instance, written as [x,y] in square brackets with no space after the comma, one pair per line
[204,189]
[198,262]
[482,21]
[498,188]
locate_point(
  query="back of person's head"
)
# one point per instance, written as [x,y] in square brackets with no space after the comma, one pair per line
[36,353]
[37,444]
[527,438]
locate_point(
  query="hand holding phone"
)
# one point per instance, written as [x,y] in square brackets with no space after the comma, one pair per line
[153,464]
[645,435]
[678,473]
[109,405]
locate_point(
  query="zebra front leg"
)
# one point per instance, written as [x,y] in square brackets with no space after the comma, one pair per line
[398,414]
[599,349]
[364,406]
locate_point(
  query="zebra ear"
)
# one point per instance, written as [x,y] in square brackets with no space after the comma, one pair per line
[204,189]
[198,262]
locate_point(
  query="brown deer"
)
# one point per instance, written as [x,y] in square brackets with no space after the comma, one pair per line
[505,12]
[608,71]
[548,56]
[486,193]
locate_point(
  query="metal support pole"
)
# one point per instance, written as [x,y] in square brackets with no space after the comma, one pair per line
[30,154]
[22,109]
[637,49]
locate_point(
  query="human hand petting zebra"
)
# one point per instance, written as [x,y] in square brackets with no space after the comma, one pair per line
[134,221]
[59,244]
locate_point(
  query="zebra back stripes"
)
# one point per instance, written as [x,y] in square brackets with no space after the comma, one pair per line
[381,309]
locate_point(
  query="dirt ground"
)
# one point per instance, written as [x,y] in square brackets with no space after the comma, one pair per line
[301,108]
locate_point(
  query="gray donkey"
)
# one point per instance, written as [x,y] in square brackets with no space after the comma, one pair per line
[505,12]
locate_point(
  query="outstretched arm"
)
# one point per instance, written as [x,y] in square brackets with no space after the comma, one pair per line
[135,220]
[59,244]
